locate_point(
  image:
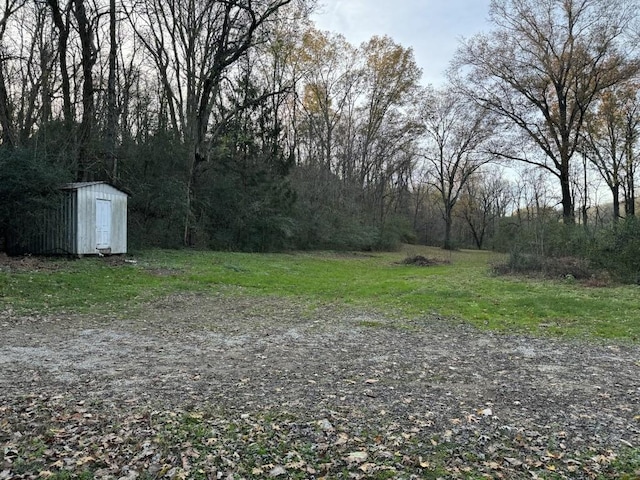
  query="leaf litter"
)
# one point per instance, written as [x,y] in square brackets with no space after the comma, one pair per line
[223,387]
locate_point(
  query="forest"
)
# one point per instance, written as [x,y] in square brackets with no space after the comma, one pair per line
[239,125]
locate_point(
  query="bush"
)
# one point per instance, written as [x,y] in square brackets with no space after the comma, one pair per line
[153,173]
[328,213]
[617,249]
[545,236]
[573,251]
[247,210]
[395,232]
[548,267]
[519,262]
[29,188]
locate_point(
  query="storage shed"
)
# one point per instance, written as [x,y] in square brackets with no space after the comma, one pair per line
[91,220]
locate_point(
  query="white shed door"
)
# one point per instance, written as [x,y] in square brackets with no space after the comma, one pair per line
[103,224]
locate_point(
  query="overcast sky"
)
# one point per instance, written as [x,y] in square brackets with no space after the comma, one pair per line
[433,28]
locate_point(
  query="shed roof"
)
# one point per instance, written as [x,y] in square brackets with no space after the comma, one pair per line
[80,185]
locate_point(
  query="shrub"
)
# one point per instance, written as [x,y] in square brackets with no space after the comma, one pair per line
[617,249]
[393,233]
[569,267]
[29,188]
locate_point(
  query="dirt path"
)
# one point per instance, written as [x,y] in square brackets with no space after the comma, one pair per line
[504,405]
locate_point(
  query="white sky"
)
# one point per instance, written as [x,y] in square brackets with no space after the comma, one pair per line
[433,28]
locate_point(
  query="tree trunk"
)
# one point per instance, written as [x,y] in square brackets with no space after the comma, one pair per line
[615,192]
[448,222]
[585,194]
[88,59]
[63,36]
[478,234]
[630,194]
[111,134]
[568,213]
[45,93]
[631,211]
[6,121]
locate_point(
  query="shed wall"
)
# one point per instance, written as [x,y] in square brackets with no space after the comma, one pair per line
[70,226]
[55,230]
[86,197]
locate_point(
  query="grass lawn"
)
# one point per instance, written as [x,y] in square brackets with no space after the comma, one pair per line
[464,289]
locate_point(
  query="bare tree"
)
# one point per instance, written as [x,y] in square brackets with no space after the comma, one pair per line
[391,78]
[331,76]
[61,19]
[605,141]
[88,58]
[542,68]
[193,44]
[485,200]
[6,108]
[631,112]
[457,133]
[359,116]
[28,69]
[112,111]
[278,70]
[387,125]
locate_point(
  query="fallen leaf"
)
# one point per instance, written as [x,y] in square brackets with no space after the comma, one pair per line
[367,467]
[84,460]
[513,461]
[357,457]
[277,471]
[342,439]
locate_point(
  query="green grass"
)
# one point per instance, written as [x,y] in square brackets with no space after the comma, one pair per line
[465,289]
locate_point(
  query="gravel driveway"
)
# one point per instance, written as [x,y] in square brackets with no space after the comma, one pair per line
[441,397]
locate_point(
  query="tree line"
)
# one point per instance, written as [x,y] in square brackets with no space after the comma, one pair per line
[238,124]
